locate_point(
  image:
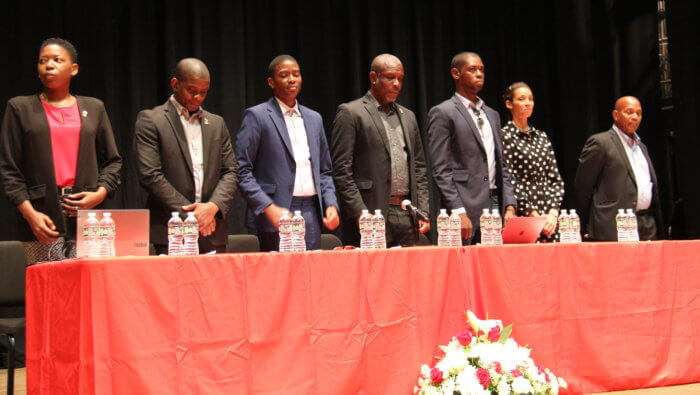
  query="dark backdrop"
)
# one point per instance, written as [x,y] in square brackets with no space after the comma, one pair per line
[578,56]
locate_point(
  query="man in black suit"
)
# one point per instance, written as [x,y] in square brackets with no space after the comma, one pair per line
[615,172]
[466,149]
[378,158]
[186,161]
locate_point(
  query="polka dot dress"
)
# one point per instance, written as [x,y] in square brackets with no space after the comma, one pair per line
[533,168]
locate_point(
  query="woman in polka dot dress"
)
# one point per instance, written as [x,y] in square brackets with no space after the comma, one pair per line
[538,186]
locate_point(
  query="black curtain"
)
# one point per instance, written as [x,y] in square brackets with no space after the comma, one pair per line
[578,57]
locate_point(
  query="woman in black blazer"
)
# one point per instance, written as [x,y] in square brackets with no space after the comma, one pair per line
[30,128]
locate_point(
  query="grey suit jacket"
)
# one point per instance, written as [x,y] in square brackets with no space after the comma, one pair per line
[165,168]
[362,163]
[605,182]
[460,167]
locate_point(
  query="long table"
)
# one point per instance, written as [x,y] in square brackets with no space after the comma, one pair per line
[604,316]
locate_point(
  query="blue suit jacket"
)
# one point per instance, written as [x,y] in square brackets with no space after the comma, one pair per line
[459,162]
[266,161]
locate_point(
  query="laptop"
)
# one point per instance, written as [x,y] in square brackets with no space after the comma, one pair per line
[523,230]
[132,231]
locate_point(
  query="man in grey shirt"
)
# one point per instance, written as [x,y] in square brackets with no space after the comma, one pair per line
[378,158]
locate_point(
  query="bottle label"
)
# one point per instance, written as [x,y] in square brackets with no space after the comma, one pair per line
[285,228]
[174,230]
[91,231]
[106,231]
[191,229]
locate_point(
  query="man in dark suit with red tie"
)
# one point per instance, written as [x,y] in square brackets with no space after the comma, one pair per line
[186,160]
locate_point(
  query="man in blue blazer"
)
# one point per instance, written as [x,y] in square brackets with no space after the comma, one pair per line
[284,162]
[466,149]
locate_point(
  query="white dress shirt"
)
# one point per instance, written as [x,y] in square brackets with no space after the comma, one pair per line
[303,178]
[640,166]
[193,133]
[486,137]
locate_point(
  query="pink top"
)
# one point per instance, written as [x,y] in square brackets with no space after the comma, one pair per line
[64,123]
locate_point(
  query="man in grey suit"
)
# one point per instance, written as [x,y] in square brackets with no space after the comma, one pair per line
[186,161]
[466,150]
[615,172]
[378,158]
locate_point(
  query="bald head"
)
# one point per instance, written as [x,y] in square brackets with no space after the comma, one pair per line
[191,68]
[627,114]
[384,61]
[386,77]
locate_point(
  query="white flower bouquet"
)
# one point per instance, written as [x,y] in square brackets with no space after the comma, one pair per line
[484,359]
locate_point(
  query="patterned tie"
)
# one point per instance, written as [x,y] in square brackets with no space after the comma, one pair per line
[479,120]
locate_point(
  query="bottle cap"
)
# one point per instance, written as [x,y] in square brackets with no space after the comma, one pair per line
[107,214]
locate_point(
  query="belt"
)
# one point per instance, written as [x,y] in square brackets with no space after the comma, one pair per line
[493,192]
[64,190]
[396,200]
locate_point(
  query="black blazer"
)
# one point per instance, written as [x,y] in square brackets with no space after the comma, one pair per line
[605,182]
[26,158]
[362,163]
[165,168]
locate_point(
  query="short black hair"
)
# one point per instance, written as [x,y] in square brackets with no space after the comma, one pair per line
[65,44]
[277,60]
[461,58]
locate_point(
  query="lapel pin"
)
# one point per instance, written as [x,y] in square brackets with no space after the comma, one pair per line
[206,121]
[83,113]
[401,110]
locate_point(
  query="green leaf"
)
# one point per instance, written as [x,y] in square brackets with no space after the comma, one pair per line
[505,334]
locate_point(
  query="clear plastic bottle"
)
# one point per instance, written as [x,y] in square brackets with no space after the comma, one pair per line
[455,229]
[620,224]
[564,227]
[285,232]
[108,231]
[91,235]
[444,229]
[191,235]
[575,227]
[379,229]
[366,230]
[298,232]
[632,228]
[496,227]
[175,234]
[485,227]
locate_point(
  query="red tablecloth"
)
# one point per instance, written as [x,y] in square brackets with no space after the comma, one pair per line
[604,316]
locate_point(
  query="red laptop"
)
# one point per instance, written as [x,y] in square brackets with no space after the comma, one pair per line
[523,230]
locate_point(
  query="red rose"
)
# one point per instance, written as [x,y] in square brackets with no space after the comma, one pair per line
[465,337]
[494,334]
[497,367]
[436,375]
[516,373]
[484,377]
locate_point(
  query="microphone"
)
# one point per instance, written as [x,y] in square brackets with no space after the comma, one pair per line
[406,205]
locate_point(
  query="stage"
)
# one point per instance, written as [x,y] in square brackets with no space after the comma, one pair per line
[604,316]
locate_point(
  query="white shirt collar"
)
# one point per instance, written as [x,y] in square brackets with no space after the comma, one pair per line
[479,105]
[285,108]
[184,111]
[631,141]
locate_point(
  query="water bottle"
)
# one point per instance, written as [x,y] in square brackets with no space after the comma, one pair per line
[108,231]
[496,227]
[575,227]
[379,229]
[564,227]
[621,225]
[455,229]
[444,228]
[91,235]
[298,232]
[366,230]
[632,227]
[175,234]
[285,232]
[485,226]
[191,235]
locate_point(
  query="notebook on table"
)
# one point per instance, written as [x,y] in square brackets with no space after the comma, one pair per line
[131,231]
[523,230]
